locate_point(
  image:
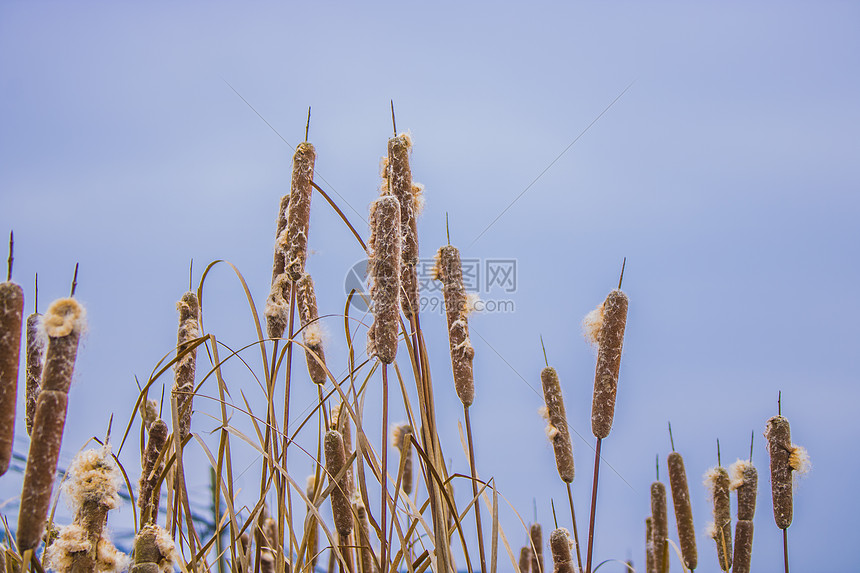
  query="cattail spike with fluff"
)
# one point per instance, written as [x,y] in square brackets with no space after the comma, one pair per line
[745,483]
[683,509]
[11,315]
[335,459]
[148,492]
[398,180]
[449,270]
[557,429]
[606,327]
[294,242]
[384,270]
[277,304]
[154,551]
[718,484]
[35,354]
[311,328]
[92,490]
[536,535]
[401,438]
[340,421]
[183,384]
[660,523]
[560,543]
[64,321]
[786,458]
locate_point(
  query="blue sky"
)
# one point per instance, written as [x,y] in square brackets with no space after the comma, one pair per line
[726,174]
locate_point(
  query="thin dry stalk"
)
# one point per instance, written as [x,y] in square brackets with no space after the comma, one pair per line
[311,328]
[384,270]
[660,522]
[183,383]
[366,558]
[718,484]
[35,355]
[153,464]
[11,315]
[560,543]
[64,322]
[683,509]
[294,242]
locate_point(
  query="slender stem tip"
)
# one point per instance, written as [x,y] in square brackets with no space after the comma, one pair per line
[621,278]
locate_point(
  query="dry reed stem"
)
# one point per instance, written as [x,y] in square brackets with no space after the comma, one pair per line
[384,270]
[401,438]
[778,434]
[365,551]
[718,484]
[536,535]
[148,494]
[295,242]
[35,352]
[153,551]
[557,430]
[183,382]
[683,509]
[610,340]
[745,482]
[560,544]
[312,529]
[11,315]
[63,322]
[335,459]
[743,546]
[312,330]
[660,523]
[650,561]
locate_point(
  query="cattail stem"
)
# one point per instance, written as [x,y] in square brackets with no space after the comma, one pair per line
[785,548]
[575,533]
[383,478]
[591,520]
[475,488]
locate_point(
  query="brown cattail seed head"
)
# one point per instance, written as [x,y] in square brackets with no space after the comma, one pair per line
[35,352]
[278,306]
[63,322]
[363,526]
[462,354]
[610,340]
[560,543]
[400,185]
[660,523]
[384,270]
[153,546]
[11,315]
[148,495]
[185,367]
[401,438]
[779,446]
[525,563]
[683,509]
[295,242]
[743,546]
[536,535]
[650,561]
[557,429]
[311,328]
[335,460]
[717,482]
[745,482]
[449,270]
[279,264]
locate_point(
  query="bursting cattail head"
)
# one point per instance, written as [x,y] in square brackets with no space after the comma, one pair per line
[560,542]
[557,429]
[279,264]
[718,484]
[335,460]
[148,494]
[154,545]
[683,509]
[384,270]
[311,328]
[93,478]
[400,185]
[11,316]
[610,338]
[780,448]
[278,306]
[183,384]
[36,342]
[294,241]
[449,270]
[745,482]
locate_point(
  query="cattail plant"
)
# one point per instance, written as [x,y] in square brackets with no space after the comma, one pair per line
[401,438]
[35,352]
[399,183]
[150,476]
[335,462]
[11,314]
[449,270]
[154,551]
[384,270]
[362,526]
[650,560]
[717,483]
[745,483]
[295,242]
[92,490]
[183,384]
[660,524]
[311,524]
[63,322]
[525,562]
[277,305]
[536,535]
[683,509]
[560,543]
[311,328]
